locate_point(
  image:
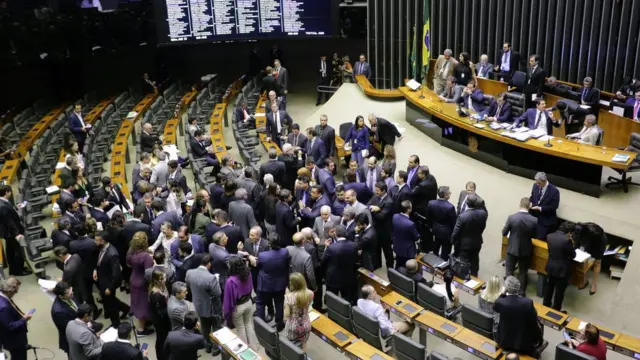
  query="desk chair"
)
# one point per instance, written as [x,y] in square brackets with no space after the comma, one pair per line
[407,349]
[477,321]
[267,337]
[434,355]
[339,310]
[488,99]
[517,103]
[289,351]
[600,135]
[344,129]
[563,352]
[435,302]
[634,145]
[368,329]
[518,81]
[402,284]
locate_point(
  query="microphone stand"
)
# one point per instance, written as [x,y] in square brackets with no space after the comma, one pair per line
[135,332]
[422,91]
[548,144]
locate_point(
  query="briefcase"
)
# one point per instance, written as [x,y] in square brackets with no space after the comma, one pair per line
[435,261]
[460,268]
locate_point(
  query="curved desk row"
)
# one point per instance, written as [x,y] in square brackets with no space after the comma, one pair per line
[261,122]
[215,129]
[170,134]
[119,153]
[371,91]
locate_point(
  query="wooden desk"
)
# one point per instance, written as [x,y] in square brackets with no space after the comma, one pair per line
[215,128]
[579,276]
[326,329]
[371,91]
[610,337]
[9,171]
[360,350]
[382,286]
[36,131]
[397,303]
[226,352]
[550,317]
[617,129]
[477,345]
[628,345]
[492,87]
[432,323]
[463,285]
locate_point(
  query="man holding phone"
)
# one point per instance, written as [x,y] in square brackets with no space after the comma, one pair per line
[13,322]
[122,349]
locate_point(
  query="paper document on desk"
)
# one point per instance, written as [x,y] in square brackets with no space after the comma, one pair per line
[537,133]
[236,345]
[313,316]
[545,138]
[495,126]
[259,114]
[110,335]
[224,335]
[522,129]
[620,158]
[581,256]
[479,126]
[587,107]
[471,283]
[413,85]
[618,110]
[522,137]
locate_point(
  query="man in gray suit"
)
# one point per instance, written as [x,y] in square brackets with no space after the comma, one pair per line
[321,221]
[178,305]
[452,92]
[301,260]
[220,256]
[84,344]
[241,213]
[352,201]
[160,171]
[370,174]
[205,289]
[521,228]
[484,67]
[470,188]
[282,78]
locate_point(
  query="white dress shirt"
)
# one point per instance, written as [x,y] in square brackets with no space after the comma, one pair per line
[376,311]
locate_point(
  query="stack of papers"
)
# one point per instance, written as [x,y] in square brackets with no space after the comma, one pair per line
[236,345]
[313,316]
[479,126]
[110,335]
[471,283]
[620,158]
[545,138]
[495,125]
[132,115]
[537,133]
[518,136]
[224,335]
[581,256]
[521,129]
[413,85]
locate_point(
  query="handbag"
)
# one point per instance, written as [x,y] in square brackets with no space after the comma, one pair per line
[460,267]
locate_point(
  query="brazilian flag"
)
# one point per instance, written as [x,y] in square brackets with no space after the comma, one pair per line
[414,50]
[426,39]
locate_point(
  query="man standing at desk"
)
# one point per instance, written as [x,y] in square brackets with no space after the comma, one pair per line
[561,254]
[521,228]
[443,70]
[545,199]
[467,234]
[534,81]
[590,96]
[538,118]
[509,62]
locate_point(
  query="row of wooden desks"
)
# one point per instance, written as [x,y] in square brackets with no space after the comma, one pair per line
[170,133]
[621,343]
[472,286]
[229,342]
[215,129]
[261,121]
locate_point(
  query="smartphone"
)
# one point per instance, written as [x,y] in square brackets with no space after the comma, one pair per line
[398,302]
[566,336]
[144,347]
[31,312]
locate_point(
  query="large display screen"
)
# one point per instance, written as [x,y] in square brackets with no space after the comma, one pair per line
[202,20]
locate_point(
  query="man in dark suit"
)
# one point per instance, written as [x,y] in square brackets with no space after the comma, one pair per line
[175,174]
[269,83]
[66,173]
[484,67]
[274,167]
[521,228]
[383,131]
[72,272]
[545,199]
[367,239]
[243,117]
[273,278]
[518,329]
[286,221]
[148,215]
[425,191]
[509,62]
[77,126]
[11,227]
[499,110]
[534,81]
[197,242]
[339,263]
[469,188]
[253,246]
[297,139]
[538,118]
[278,124]
[318,200]
[61,236]
[441,217]
[113,194]
[325,178]
[327,134]
[108,276]
[370,174]
[183,344]
[381,208]
[412,171]
[467,233]
[316,148]
[590,96]
[200,151]
[122,349]
[274,98]
[135,225]
[188,260]
[64,309]
[405,235]
[86,248]
[400,192]
[282,77]
[162,216]
[561,254]
[472,98]
[412,270]
[362,67]
[98,210]
[148,139]
[233,232]
[13,322]
[324,74]
[363,193]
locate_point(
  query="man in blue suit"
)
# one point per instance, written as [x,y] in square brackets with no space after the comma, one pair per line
[400,192]
[65,309]
[286,221]
[538,118]
[362,67]
[499,110]
[196,241]
[163,216]
[315,147]
[405,235]
[363,193]
[545,199]
[472,98]
[325,178]
[77,126]
[243,118]
[98,210]
[319,200]
[441,216]
[273,279]
[339,263]
[13,322]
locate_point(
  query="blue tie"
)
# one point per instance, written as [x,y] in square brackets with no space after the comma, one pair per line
[584,93]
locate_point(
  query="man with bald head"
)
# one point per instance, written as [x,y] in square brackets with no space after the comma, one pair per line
[589,133]
[412,270]
[371,173]
[352,201]
[300,260]
[324,218]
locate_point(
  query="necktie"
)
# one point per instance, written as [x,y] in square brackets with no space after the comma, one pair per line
[16,307]
[361,66]
[311,146]
[370,180]
[538,119]
[71,304]
[584,94]
[498,111]
[541,194]
[295,140]
[255,250]
[277,76]
[151,217]
[278,126]
[101,256]
[531,74]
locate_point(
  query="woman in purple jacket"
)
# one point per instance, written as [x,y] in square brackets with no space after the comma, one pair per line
[359,137]
[237,306]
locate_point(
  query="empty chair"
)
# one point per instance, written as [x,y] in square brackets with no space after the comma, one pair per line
[289,351]
[338,310]
[368,329]
[402,284]
[434,302]
[407,349]
[624,181]
[478,321]
[434,355]
[563,352]
[267,337]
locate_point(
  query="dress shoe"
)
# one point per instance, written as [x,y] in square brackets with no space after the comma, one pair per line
[97,313]
[280,327]
[229,147]
[215,351]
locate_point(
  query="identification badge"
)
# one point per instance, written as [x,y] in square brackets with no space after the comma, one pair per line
[355,141]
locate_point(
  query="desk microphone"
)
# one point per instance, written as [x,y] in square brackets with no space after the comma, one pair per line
[548,144]
[421,92]
[31,347]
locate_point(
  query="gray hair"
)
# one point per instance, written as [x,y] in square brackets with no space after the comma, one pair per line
[286,148]
[448,52]
[178,287]
[588,79]
[217,237]
[241,193]
[10,285]
[512,285]
[443,191]
[484,56]
[147,125]
[256,229]
[349,212]
[325,209]
[540,176]
[162,156]
[591,119]
[341,231]
[268,180]
[272,153]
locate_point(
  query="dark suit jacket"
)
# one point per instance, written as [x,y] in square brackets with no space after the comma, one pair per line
[387,132]
[325,178]
[11,224]
[183,344]
[72,274]
[109,272]
[120,200]
[328,136]
[100,216]
[234,235]
[363,193]
[467,234]
[561,254]
[117,350]
[518,328]
[75,126]
[88,251]
[315,209]
[273,266]
[405,236]
[441,216]
[170,216]
[318,152]
[269,83]
[274,167]
[534,82]
[180,179]
[240,114]
[477,100]
[147,141]
[286,223]
[61,314]
[412,182]
[59,237]
[285,123]
[399,195]
[425,191]
[327,71]
[366,69]
[514,60]
[189,263]
[462,199]
[13,327]
[591,98]
[382,218]
[132,226]
[198,244]
[198,150]
[301,141]
[521,228]
[503,116]
[549,204]
[530,117]
[367,241]
[339,263]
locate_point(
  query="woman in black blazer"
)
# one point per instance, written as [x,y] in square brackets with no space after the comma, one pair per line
[464,71]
